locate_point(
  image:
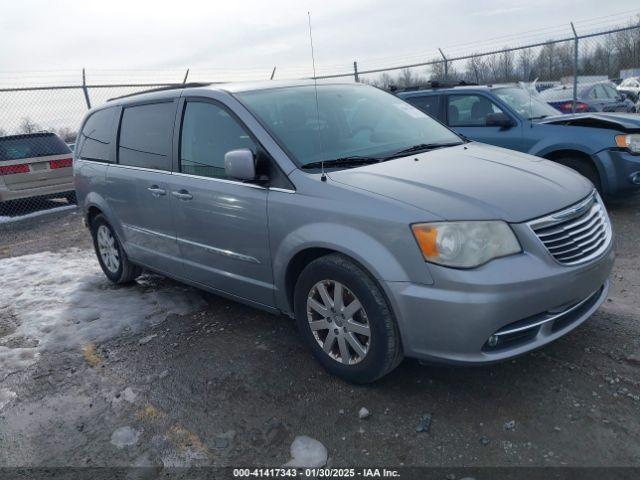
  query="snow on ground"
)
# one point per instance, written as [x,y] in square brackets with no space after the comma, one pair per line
[307,452]
[38,213]
[62,300]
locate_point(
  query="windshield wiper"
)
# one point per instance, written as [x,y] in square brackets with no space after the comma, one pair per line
[343,162]
[422,147]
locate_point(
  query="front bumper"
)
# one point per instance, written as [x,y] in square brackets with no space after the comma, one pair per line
[452,320]
[619,169]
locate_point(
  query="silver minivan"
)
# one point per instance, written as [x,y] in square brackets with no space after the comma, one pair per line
[380,230]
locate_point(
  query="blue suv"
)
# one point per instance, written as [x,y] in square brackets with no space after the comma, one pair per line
[604,147]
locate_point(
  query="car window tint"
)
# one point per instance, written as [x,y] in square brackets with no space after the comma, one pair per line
[429,104]
[94,142]
[470,110]
[17,147]
[145,136]
[610,91]
[208,133]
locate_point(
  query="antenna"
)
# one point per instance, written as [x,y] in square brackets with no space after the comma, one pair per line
[323,176]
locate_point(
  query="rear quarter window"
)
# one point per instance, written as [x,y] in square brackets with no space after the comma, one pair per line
[145,136]
[18,147]
[429,104]
[95,140]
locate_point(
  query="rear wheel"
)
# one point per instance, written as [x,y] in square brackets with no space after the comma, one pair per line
[584,168]
[111,256]
[346,321]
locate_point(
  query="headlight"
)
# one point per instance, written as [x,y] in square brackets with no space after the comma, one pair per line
[465,244]
[630,142]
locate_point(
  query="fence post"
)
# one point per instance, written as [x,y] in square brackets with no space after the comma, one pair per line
[85,90]
[575,69]
[355,71]
[446,64]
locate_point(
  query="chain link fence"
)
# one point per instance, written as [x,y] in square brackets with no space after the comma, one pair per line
[38,124]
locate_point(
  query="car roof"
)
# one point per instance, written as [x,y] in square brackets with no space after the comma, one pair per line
[458,88]
[173,91]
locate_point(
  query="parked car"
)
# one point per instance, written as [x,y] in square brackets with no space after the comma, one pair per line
[35,165]
[630,87]
[591,97]
[380,230]
[604,147]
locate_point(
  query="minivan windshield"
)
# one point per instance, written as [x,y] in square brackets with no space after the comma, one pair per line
[351,121]
[524,103]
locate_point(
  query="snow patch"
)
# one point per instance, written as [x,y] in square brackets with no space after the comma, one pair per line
[125,437]
[307,452]
[58,301]
[6,397]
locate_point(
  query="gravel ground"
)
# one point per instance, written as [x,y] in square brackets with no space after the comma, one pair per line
[230,385]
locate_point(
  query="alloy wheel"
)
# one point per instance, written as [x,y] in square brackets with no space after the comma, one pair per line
[338,322]
[108,249]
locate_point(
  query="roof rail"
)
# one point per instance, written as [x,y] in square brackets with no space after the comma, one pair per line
[171,86]
[432,84]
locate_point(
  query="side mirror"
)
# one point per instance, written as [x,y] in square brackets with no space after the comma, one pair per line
[240,164]
[499,120]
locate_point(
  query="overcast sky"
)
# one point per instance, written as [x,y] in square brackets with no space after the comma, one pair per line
[247,36]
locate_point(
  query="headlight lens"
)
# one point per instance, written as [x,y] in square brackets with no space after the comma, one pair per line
[465,244]
[630,142]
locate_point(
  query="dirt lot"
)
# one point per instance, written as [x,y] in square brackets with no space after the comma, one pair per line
[228,385]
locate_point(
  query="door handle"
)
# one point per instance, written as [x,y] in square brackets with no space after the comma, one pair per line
[182,195]
[156,191]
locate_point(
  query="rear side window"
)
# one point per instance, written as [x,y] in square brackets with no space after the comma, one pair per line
[145,136]
[18,147]
[429,104]
[208,132]
[470,110]
[96,137]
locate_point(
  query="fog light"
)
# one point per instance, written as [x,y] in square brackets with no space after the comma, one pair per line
[493,340]
[635,178]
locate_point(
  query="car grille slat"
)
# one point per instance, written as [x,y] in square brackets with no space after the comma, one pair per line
[577,234]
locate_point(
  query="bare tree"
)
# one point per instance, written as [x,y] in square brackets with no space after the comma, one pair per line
[67,134]
[28,126]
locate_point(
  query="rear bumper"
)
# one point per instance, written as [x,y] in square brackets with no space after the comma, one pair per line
[452,320]
[619,170]
[48,191]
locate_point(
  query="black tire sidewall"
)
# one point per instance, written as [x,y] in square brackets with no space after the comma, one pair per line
[374,364]
[115,277]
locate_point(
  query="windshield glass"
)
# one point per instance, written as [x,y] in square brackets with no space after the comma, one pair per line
[525,104]
[350,121]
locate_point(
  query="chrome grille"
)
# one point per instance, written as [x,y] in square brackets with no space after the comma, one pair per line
[577,234]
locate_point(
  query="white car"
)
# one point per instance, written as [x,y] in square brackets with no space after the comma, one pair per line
[630,86]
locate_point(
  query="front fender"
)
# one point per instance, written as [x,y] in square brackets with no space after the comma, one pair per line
[377,258]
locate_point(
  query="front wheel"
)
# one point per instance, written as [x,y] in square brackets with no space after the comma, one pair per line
[345,319]
[112,258]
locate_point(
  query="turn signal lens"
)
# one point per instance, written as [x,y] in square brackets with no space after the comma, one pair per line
[630,142]
[426,237]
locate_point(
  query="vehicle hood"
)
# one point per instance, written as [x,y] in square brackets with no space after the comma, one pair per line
[625,122]
[472,182]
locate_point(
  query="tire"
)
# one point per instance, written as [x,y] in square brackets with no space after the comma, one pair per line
[122,271]
[584,168]
[382,348]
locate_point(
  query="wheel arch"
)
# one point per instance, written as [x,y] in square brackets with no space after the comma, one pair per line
[556,155]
